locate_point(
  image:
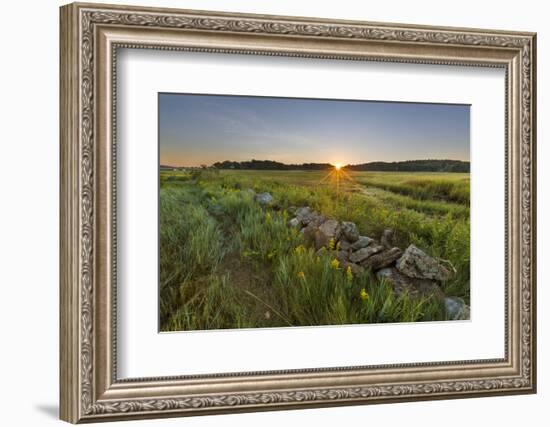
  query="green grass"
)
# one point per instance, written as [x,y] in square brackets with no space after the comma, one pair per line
[227,263]
[449,187]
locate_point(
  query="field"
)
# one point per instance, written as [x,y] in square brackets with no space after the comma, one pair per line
[227,262]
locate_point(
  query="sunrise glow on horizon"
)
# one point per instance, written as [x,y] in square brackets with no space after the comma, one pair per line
[199,130]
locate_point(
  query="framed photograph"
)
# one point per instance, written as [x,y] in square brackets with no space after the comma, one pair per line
[266,212]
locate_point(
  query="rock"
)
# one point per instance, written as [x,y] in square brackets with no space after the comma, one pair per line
[402,284]
[305,215]
[350,231]
[264,199]
[361,243]
[382,259]
[342,256]
[294,223]
[317,219]
[330,229]
[417,264]
[356,270]
[456,308]
[309,232]
[427,287]
[466,313]
[387,238]
[362,254]
[344,245]
[399,283]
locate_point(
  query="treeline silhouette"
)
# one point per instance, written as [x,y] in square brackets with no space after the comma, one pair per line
[430,165]
[270,165]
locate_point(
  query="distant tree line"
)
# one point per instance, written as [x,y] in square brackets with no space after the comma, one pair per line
[414,166]
[270,165]
[431,165]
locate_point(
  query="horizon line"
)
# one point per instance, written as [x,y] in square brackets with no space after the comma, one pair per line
[318,163]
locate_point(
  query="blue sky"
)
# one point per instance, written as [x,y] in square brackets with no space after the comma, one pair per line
[203,129]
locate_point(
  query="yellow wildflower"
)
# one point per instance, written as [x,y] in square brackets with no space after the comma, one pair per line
[270,255]
[300,249]
[335,263]
[301,275]
[349,274]
[338,246]
[267,217]
[363,294]
[331,244]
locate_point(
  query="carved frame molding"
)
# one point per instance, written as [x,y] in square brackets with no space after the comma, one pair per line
[90,36]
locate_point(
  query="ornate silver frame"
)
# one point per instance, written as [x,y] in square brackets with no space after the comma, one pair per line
[90,36]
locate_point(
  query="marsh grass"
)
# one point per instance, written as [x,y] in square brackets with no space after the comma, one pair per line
[453,187]
[227,263]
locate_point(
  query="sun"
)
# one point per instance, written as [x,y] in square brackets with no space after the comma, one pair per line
[337,175]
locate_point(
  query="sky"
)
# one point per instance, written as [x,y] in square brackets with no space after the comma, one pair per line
[204,129]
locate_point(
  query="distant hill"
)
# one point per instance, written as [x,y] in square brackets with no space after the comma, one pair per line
[430,165]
